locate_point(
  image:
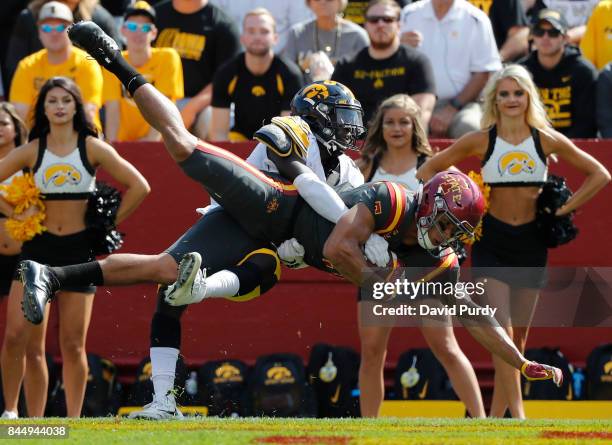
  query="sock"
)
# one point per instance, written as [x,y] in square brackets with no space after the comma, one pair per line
[84,274]
[127,74]
[163,367]
[222,284]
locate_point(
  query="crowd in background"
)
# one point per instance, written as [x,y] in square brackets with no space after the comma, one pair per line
[219,59]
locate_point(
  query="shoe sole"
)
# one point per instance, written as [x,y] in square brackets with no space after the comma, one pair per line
[29,303]
[188,269]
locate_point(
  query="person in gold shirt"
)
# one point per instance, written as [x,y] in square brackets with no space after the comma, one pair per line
[160,66]
[596,44]
[57,58]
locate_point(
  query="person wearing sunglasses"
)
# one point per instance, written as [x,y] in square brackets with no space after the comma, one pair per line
[387,67]
[57,58]
[566,80]
[161,66]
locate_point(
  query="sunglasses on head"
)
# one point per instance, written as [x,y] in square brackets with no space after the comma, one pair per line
[377,18]
[552,32]
[49,28]
[142,27]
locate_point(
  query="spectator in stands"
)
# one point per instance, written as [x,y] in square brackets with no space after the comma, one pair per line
[395,147]
[565,79]
[160,66]
[458,39]
[25,39]
[205,37]
[576,12]
[61,136]
[285,13]
[57,58]
[9,11]
[387,67]
[604,102]
[259,84]
[510,26]
[328,34]
[596,44]
[515,126]
[356,9]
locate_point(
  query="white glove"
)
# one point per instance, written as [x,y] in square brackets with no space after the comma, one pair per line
[291,254]
[377,250]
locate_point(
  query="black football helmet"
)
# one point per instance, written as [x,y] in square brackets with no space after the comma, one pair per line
[333,114]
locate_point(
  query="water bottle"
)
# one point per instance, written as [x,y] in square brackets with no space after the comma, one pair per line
[578,383]
[191,384]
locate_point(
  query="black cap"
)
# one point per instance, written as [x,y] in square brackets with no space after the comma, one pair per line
[140,8]
[552,16]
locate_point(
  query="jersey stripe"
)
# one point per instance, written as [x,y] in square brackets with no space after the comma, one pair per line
[397,195]
[257,291]
[288,189]
[450,260]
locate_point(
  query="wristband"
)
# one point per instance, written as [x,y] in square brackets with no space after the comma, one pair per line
[454,102]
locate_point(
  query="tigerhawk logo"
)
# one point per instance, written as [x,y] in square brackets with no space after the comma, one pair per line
[516,162]
[60,174]
[279,374]
[226,372]
[258,91]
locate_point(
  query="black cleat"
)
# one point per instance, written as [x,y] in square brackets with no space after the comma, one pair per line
[89,37]
[38,289]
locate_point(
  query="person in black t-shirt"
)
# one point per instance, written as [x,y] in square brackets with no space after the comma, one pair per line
[510,26]
[386,67]
[258,83]
[205,37]
[566,80]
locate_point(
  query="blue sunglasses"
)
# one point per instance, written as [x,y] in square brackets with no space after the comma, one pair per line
[134,27]
[49,28]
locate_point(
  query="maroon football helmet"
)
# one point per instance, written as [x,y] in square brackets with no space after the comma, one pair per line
[449,197]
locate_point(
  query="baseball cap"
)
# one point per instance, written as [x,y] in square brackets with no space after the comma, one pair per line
[140,8]
[55,10]
[552,16]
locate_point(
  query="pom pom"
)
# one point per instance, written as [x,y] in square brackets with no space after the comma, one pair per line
[22,194]
[555,230]
[100,219]
[486,190]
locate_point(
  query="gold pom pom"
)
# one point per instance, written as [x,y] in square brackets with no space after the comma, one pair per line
[22,194]
[486,190]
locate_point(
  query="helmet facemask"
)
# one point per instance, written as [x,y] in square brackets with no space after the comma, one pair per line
[439,220]
[342,127]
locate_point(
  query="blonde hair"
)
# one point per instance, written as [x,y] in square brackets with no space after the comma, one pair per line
[257,12]
[375,145]
[343,4]
[83,11]
[535,116]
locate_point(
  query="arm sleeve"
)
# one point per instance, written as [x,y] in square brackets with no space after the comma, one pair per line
[583,102]
[320,196]
[604,102]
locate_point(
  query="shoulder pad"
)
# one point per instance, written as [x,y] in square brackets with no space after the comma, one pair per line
[285,135]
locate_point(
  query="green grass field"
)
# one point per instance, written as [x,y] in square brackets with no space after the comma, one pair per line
[325,431]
